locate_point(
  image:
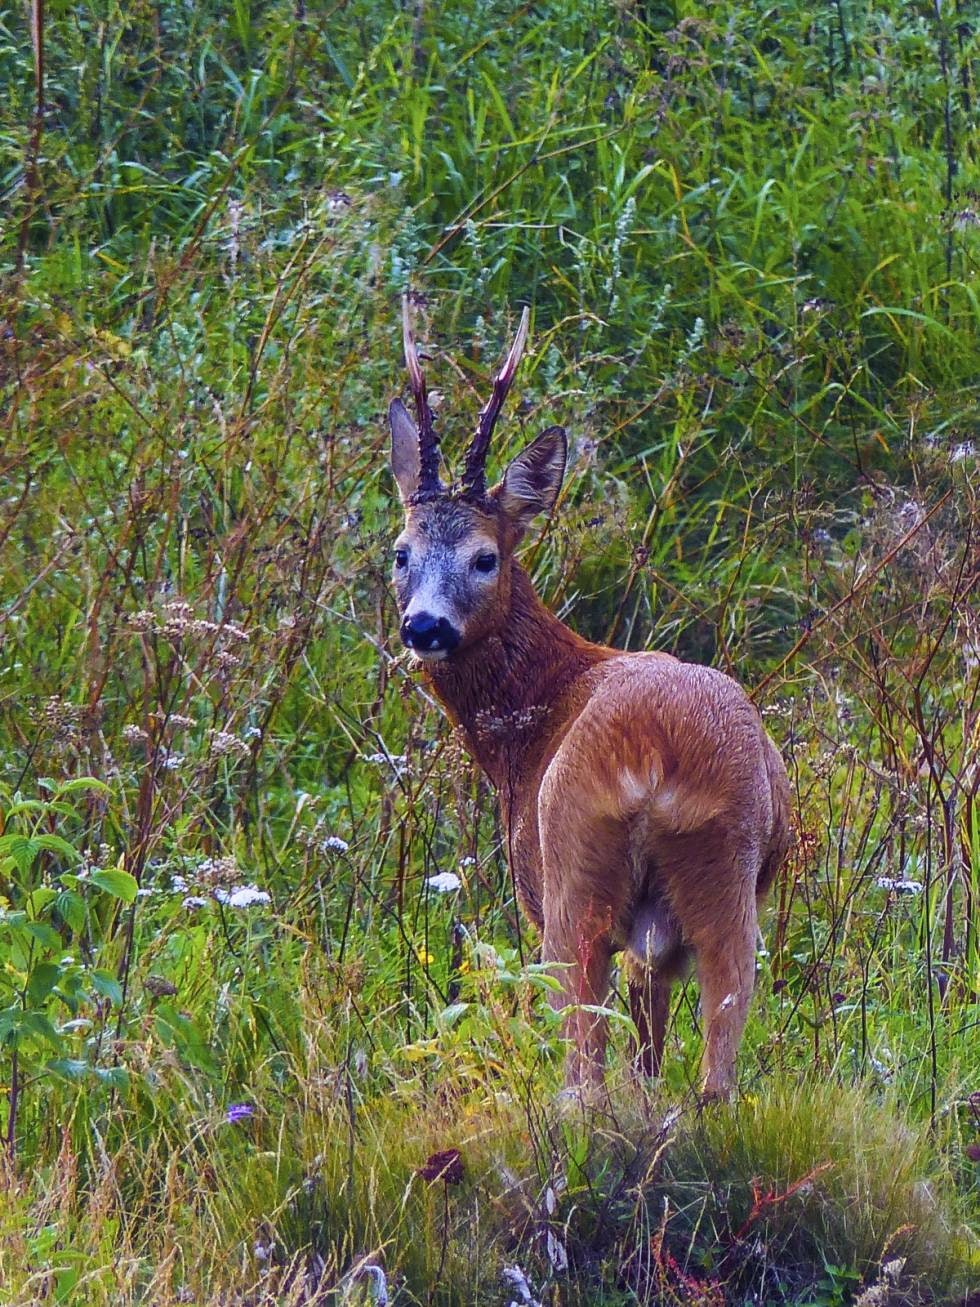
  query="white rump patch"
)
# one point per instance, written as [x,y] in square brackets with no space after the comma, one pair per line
[632,787]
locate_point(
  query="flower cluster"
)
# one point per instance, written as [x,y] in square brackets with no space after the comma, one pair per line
[175,620]
[222,879]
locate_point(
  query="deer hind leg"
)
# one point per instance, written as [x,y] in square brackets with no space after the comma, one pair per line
[584,858]
[726,970]
[649,999]
[582,956]
[711,886]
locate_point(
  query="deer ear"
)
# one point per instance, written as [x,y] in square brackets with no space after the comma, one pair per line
[405,462]
[531,483]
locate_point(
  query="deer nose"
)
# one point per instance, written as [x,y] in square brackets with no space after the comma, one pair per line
[427,634]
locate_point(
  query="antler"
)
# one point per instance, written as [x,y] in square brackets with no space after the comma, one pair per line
[474,482]
[428,440]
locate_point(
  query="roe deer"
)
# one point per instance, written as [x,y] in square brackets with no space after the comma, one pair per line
[645,807]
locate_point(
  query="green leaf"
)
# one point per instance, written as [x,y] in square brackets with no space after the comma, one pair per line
[43,979]
[68,1068]
[10,1019]
[55,844]
[39,899]
[116,1076]
[71,908]
[20,849]
[450,1015]
[44,934]
[113,880]
[107,985]
[82,783]
[39,1025]
[181,1033]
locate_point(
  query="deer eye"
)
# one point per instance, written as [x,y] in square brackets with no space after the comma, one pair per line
[401,558]
[485,562]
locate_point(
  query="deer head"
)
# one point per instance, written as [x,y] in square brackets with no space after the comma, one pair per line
[452,561]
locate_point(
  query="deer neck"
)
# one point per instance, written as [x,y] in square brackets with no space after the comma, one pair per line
[507,690]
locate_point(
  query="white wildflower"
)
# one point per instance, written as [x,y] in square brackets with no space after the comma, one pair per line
[193,901]
[556,1252]
[378,1287]
[444,883]
[134,734]
[243,896]
[515,1278]
[223,742]
[670,1119]
[899,886]
[334,844]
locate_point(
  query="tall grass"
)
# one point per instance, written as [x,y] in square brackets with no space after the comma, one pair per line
[749,239]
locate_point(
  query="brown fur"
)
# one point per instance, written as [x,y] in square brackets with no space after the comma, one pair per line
[646,809]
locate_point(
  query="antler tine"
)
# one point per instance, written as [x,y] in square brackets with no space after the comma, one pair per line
[428,440]
[474,471]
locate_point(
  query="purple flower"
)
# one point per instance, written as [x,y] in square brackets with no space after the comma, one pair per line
[239,1112]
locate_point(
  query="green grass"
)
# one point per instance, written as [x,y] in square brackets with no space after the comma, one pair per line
[749,239]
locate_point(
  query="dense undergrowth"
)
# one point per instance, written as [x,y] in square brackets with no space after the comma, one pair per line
[249,1052]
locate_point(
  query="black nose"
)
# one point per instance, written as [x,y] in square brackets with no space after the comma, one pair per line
[426,633]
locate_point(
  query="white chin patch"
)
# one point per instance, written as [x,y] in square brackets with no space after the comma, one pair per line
[430,655]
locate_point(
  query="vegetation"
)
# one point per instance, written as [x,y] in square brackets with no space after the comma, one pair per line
[249,1052]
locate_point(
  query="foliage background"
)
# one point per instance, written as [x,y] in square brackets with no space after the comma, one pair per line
[749,237]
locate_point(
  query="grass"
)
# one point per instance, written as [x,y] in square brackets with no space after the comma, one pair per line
[749,241]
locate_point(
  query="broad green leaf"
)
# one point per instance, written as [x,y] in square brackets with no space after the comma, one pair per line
[116,1076]
[68,1068]
[83,783]
[39,1025]
[20,849]
[107,985]
[44,934]
[39,899]
[71,908]
[55,844]
[113,880]
[450,1015]
[43,979]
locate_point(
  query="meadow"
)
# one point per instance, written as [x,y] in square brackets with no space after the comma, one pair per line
[252,1051]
